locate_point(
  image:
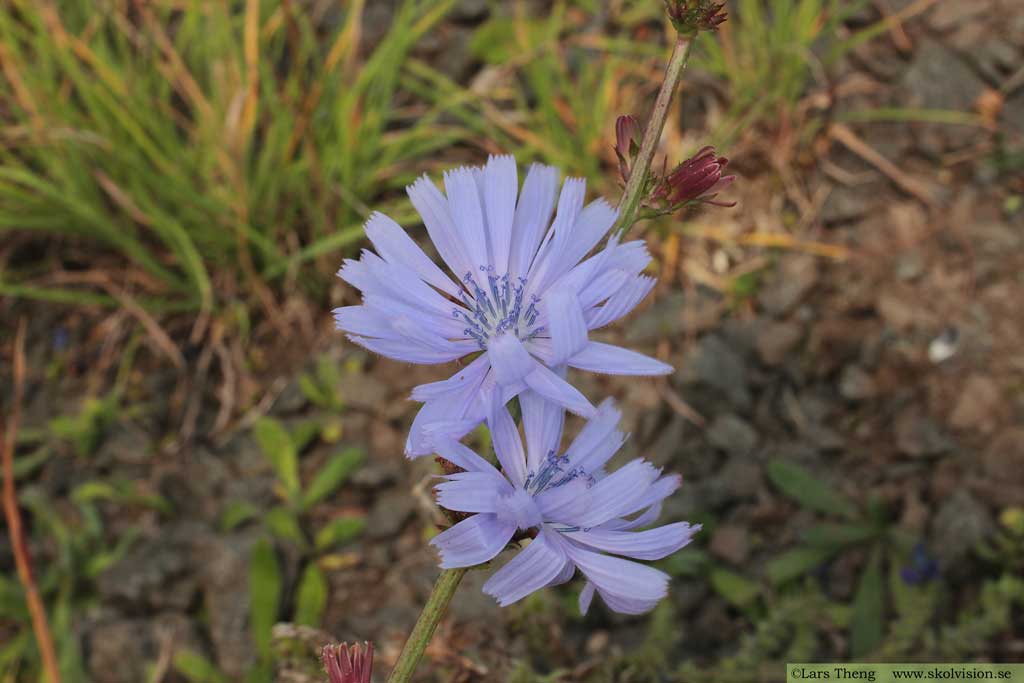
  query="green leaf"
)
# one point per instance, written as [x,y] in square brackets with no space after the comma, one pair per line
[304,433]
[837,536]
[264,594]
[736,589]
[866,622]
[284,525]
[812,493]
[313,392]
[236,513]
[794,563]
[279,449]
[311,597]
[332,475]
[197,668]
[339,531]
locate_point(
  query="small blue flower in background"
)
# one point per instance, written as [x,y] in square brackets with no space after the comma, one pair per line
[522,294]
[578,511]
[922,567]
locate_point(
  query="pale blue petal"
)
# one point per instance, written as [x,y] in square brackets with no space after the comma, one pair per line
[508,446]
[464,204]
[465,457]
[542,426]
[631,257]
[462,383]
[603,287]
[406,350]
[455,407]
[537,565]
[363,321]
[396,247]
[591,225]
[544,270]
[533,215]
[558,391]
[566,504]
[615,360]
[631,293]
[580,276]
[565,324]
[625,586]
[403,285]
[510,360]
[655,493]
[568,571]
[472,541]
[619,492]
[586,597]
[652,544]
[433,208]
[473,492]
[390,308]
[598,441]
[501,183]
[646,518]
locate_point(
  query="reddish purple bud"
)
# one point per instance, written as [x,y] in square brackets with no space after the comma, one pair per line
[348,663]
[698,179]
[692,16]
[627,142]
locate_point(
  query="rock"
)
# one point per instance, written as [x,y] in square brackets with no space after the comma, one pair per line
[731,542]
[939,79]
[714,363]
[1003,464]
[959,526]
[226,599]
[732,434]
[917,435]
[777,340]
[742,477]
[154,574]
[126,443]
[470,11]
[787,286]
[124,650]
[378,472]
[848,203]
[363,390]
[979,405]
[389,514]
[855,384]
[948,15]
[669,446]
[470,603]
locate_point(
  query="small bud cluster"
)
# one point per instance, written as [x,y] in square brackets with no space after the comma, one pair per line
[348,663]
[693,16]
[698,180]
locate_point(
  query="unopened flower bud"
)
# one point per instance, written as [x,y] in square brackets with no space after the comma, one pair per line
[627,143]
[698,179]
[693,16]
[348,663]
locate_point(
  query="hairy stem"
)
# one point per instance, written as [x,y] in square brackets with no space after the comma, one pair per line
[633,194]
[421,634]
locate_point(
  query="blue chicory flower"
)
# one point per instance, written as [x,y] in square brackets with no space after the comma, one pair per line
[523,294]
[577,511]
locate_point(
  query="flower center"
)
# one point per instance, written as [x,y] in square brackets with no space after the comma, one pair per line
[553,473]
[498,309]
[520,508]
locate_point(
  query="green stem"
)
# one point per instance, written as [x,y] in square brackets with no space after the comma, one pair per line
[421,634]
[633,194]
